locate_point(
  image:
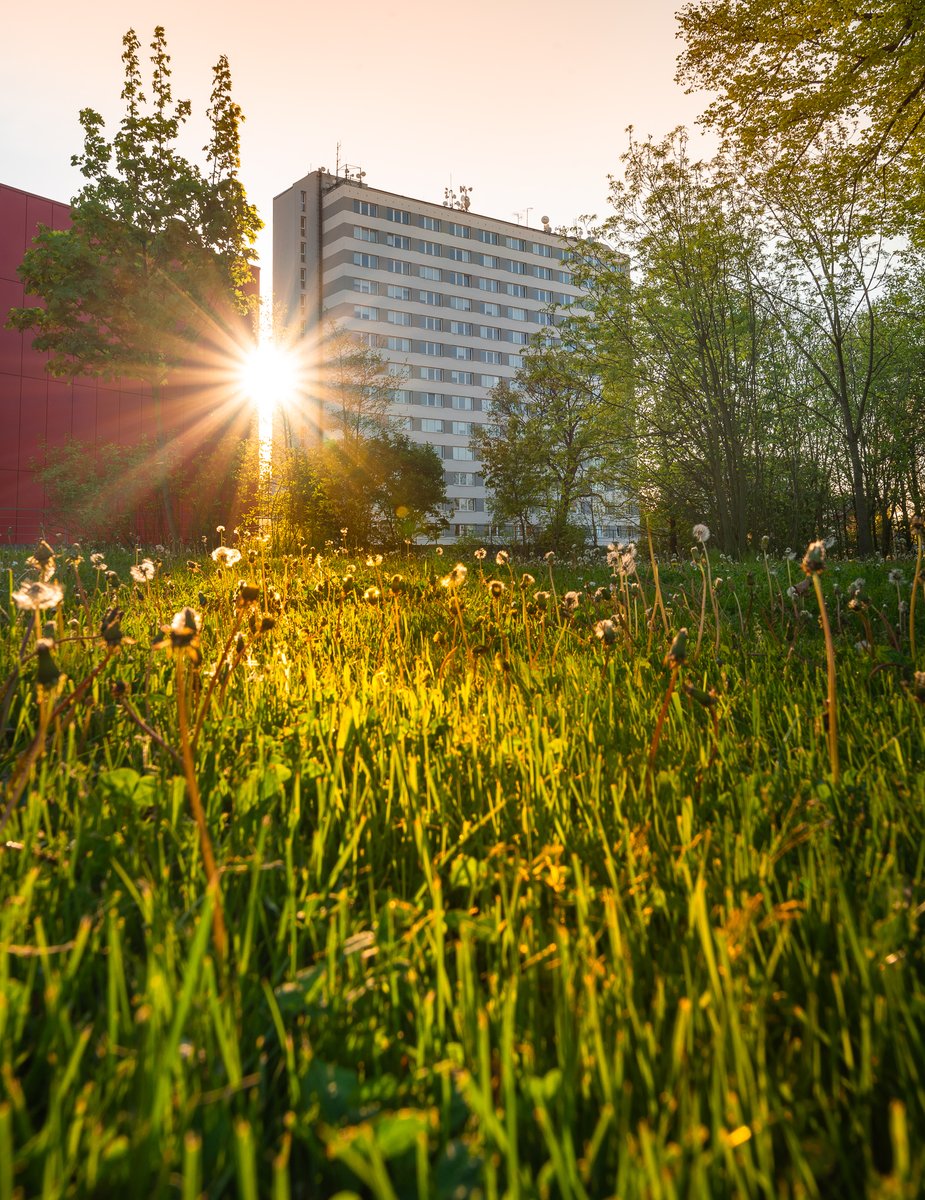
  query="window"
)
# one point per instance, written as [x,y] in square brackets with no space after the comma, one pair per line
[395,291]
[515,243]
[395,369]
[489,381]
[492,261]
[429,273]
[490,309]
[463,353]
[394,317]
[304,197]
[398,343]
[461,428]
[302,226]
[459,254]
[402,396]
[459,278]
[492,357]
[363,312]
[433,248]
[491,332]
[434,349]
[461,328]
[431,400]
[516,267]
[515,360]
[399,215]
[518,337]
[463,378]
[302,252]
[434,374]
[367,286]
[462,453]
[543,296]
[565,277]
[517,314]
[489,285]
[432,223]
[398,241]
[431,425]
[400,422]
[365,209]
[565,298]
[362,234]
[461,479]
[542,272]
[489,238]
[367,339]
[460,303]
[543,318]
[457,230]
[399,267]
[462,403]
[428,297]
[542,249]
[433,323]
[370,261]
[466,504]
[302,277]
[516,289]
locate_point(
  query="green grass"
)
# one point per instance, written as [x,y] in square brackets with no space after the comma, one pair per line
[476,946]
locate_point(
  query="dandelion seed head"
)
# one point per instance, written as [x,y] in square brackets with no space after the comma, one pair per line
[36,596]
[502,558]
[226,556]
[701,534]
[481,553]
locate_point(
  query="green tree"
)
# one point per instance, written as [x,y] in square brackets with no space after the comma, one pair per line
[689,334]
[158,253]
[553,437]
[785,71]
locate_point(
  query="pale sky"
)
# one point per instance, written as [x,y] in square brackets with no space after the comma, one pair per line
[527,103]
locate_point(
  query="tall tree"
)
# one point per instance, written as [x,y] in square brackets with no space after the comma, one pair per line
[784,71]
[690,334]
[157,251]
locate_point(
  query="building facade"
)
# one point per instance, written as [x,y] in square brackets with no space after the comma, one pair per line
[198,416]
[448,297]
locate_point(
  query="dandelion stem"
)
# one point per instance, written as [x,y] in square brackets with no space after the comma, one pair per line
[218,917]
[832,721]
[915,587]
[657,732]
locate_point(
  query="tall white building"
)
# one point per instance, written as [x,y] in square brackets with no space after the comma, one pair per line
[448,297]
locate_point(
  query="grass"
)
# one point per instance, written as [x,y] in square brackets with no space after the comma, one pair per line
[477,944]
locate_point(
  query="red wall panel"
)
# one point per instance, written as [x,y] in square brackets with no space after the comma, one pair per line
[10,387]
[12,231]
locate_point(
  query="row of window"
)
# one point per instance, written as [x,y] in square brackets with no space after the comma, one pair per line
[438,400]
[401,216]
[491,333]
[400,241]
[401,266]
[404,345]
[488,308]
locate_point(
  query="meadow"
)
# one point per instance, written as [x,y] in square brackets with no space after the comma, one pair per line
[322,875]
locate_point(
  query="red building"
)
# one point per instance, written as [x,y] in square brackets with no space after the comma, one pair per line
[204,417]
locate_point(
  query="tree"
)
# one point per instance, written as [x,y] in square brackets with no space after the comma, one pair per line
[784,72]
[690,336]
[561,435]
[355,388]
[158,253]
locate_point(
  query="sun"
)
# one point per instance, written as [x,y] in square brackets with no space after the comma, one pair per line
[269,377]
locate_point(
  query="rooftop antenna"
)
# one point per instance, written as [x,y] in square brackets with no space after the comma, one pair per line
[547,228]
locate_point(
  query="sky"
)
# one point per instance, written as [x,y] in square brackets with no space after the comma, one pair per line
[526,103]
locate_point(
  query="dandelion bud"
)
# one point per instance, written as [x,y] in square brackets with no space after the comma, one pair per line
[252,622]
[606,631]
[496,587]
[110,627]
[246,594]
[541,598]
[765,542]
[266,624]
[47,672]
[570,602]
[526,580]
[814,558]
[917,526]
[677,652]
[239,645]
[372,595]
[396,583]
[549,555]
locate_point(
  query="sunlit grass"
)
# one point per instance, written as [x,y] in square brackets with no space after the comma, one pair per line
[477,943]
